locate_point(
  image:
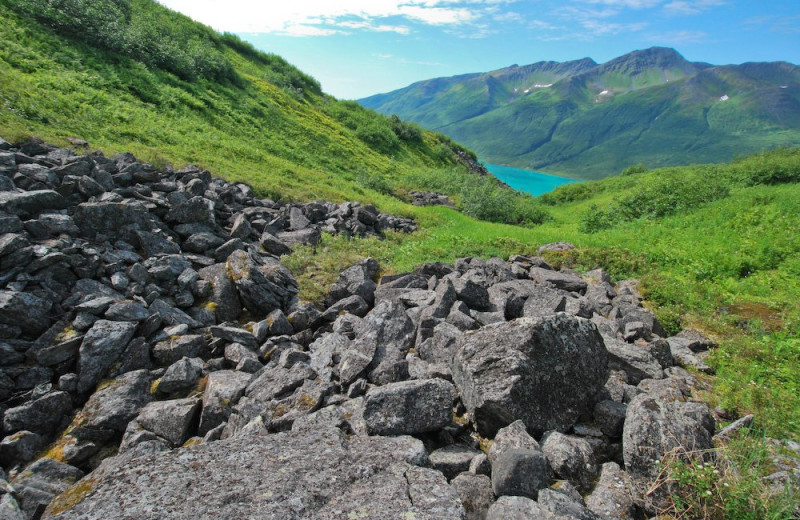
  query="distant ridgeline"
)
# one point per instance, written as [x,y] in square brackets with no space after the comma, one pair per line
[587,120]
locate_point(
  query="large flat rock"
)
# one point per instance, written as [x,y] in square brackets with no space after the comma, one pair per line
[313,474]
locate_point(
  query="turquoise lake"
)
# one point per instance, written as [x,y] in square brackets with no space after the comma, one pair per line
[528,181]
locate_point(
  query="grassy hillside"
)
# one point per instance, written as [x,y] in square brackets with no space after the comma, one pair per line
[131,75]
[716,247]
[651,107]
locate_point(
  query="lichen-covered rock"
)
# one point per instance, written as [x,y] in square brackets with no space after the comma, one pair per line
[101,347]
[520,472]
[571,458]
[409,407]
[222,392]
[519,508]
[475,492]
[309,474]
[43,415]
[612,497]
[170,420]
[544,371]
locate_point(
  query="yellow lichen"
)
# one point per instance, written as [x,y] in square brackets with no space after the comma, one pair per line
[154,386]
[306,402]
[194,441]
[71,497]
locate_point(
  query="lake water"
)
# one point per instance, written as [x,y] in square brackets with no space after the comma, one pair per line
[528,181]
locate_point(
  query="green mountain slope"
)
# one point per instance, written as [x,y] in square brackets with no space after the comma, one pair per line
[131,75]
[651,107]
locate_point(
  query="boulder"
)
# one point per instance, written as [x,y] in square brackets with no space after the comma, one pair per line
[26,311]
[315,474]
[565,505]
[262,287]
[170,420]
[181,376]
[571,458]
[518,508]
[453,459]
[223,390]
[101,347]
[409,407]
[357,280]
[40,482]
[637,361]
[112,219]
[475,492]
[513,436]
[544,371]
[44,415]
[559,280]
[520,472]
[612,497]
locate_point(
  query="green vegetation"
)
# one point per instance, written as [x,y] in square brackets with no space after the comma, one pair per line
[131,75]
[725,484]
[659,108]
[716,247]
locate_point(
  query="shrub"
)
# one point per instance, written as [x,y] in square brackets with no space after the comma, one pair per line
[633,170]
[406,131]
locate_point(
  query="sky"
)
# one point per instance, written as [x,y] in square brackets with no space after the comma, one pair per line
[357,48]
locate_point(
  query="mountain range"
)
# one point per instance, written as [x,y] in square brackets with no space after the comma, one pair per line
[591,120]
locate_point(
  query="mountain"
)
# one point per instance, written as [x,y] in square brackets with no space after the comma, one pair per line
[591,120]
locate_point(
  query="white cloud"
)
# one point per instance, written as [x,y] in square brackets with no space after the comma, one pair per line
[324,17]
[690,7]
[679,37]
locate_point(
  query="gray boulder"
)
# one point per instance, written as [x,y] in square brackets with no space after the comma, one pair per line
[544,371]
[20,448]
[224,299]
[612,497]
[565,505]
[101,347]
[519,508]
[453,459]
[565,281]
[26,311]
[358,280]
[113,406]
[112,219]
[40,482]
[520,472]
[223,390]
[571,458]
[170,420]
[30,203]
[181,376]
[314,474]
[262,288]
[43,415]
[475,492]
[172,350]
[513,436]
[409,407]
[637,361]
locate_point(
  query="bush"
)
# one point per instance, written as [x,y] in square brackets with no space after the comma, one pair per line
[409,132]
[597,219]
[657,197]
[775,167]
[139,29]
[633,170]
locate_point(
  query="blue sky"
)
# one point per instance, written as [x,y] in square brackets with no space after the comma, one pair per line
[357,48]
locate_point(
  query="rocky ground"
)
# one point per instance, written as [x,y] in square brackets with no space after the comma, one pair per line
[156,362]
